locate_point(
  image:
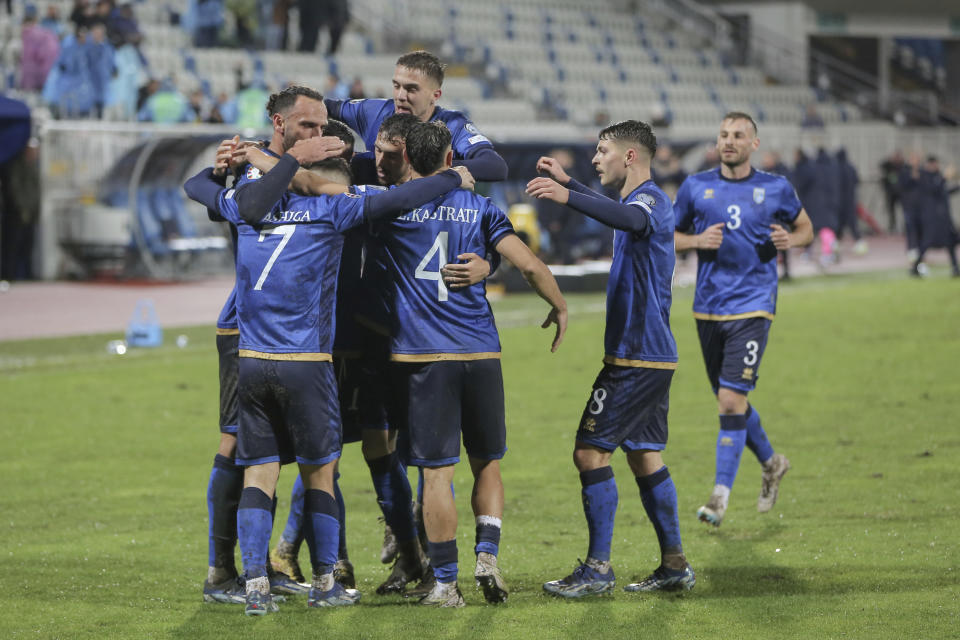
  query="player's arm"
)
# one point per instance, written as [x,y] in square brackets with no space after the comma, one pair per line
[539,278]
[801,236]
[551,168]
[485,164]
[623,217]
[205,188]
[307,152]
[711,238]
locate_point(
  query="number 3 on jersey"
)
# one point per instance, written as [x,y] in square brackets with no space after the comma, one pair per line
[439,249]
[734,222]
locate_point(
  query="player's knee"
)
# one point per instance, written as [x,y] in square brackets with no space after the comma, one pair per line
[589,458]
[730,402]
[376,443]
[228,445]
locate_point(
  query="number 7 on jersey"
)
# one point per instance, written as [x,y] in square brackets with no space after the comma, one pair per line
[287,232]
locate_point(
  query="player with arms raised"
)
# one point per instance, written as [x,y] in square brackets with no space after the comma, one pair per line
[628,405]
[737,218]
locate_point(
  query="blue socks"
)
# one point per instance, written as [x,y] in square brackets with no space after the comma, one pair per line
[488,535]
[757,437]
[443,559]
[659,497]
[321,529]
[254,525]
[393,495]
[730,443]
[223,497]
[341,518]
[293,532]
[600,500]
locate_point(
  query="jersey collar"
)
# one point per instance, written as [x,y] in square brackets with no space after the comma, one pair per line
[744,179]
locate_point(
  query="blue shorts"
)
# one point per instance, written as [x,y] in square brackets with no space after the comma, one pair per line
[436,401]
[362,381]
[732,350]
[289,411]
[627,409]
[227,349]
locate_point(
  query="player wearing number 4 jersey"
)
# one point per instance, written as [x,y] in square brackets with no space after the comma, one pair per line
[445,357]
[737,218]
[628,405]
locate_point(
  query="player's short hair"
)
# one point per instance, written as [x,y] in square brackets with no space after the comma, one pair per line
[427,144]
[424,62]
[396,127]
[633,131]
[740,115]
[336,169]
[283,100]
[342,131]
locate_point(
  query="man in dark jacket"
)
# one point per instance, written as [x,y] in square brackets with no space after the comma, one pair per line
[935,228]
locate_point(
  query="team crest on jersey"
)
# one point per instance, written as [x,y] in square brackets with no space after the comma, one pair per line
[253,173]
[472,129]
[758,194]
[352,195]
[707,194]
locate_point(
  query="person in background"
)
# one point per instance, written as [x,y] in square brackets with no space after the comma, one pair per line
[40,49]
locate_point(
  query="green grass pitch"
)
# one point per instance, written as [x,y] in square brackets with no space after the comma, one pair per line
[104,464]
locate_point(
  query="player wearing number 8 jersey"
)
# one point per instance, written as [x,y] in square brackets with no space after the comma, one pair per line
[628,405]
[737,218]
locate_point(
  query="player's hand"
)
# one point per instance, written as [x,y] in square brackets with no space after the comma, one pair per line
[467,181]
[221,161]
[458,276]
[242,154]
[559,318]
[548,166]
[780,237]
[548,189]
[316,149]
[712,237]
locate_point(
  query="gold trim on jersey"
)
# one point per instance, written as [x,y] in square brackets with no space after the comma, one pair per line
[298,357]
[437,357]
[646,364]
[228,332]
[735,316]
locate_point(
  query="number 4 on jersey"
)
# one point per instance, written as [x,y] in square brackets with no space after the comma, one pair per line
[439,249]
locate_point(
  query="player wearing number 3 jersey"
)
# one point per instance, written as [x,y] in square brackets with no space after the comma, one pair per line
[737,218]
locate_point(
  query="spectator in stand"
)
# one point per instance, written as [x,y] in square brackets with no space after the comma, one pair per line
[201,106]
[890,174]
[936,228]
[334,89]
[847,202]
[82,13]
[52,21]
[250,111]
[40,49]
[69,87]
[122,27]
[101,13]
[205,19]
[122,99]
[278,29]
[100,61]
[356,89]
[667,172]
[559,221]
[314,14]
[166,106]
[711,159]
[224,109]
[811,119]
[245,19]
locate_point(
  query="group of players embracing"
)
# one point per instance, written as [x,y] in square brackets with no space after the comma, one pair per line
[359,314]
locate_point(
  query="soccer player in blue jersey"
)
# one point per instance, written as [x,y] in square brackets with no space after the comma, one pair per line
[297,113]
[628,405]
[288,396]
[417,81]
[444,352]
[737,218]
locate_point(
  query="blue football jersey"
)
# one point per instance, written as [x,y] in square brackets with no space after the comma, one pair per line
[738,280]
[227,321]
[366,116]
[639,291]
[427,321]
[287,268]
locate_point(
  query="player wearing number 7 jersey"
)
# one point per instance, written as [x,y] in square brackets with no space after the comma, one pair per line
[737,218]
[628,405]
